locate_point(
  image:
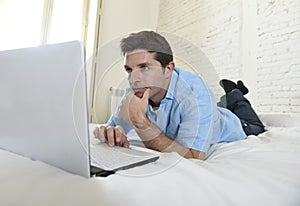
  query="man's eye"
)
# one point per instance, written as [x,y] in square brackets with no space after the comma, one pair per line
[145,68]
[128,70]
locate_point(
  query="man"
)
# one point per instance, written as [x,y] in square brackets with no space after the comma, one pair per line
[170,109]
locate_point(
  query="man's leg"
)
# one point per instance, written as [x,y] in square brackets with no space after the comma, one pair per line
[235,101]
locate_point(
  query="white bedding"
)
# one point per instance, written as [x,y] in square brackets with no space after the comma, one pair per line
[261,170]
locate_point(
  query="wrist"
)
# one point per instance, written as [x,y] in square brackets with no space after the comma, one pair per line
[148,131]
[141,123]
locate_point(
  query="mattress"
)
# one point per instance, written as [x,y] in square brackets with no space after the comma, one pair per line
[260,170]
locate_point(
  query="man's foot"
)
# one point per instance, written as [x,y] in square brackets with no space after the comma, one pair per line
[227,85]
[240,85]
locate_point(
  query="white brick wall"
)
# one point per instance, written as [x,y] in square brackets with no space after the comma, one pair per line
[212,25]
[257,41]
[278,56]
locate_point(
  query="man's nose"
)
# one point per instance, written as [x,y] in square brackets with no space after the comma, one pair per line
[135,76]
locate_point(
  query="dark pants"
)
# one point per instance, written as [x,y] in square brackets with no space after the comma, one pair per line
[241,107]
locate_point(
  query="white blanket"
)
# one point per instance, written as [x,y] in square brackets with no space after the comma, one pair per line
[261,170]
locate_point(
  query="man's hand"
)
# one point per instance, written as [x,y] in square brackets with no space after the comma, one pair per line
[112,135]
[133,109]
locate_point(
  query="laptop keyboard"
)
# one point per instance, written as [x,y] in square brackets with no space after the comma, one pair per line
[112,158]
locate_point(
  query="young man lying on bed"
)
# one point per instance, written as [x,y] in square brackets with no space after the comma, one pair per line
[173,110]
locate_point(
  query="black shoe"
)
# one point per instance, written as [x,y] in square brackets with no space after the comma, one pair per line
[227,85]
[240,85]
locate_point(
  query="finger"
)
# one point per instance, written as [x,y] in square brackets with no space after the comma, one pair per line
[146,94]
[130,94]
[125,101]
[102,136]
[96,132]
[145,97]
[126,144]
[123,105]
[110,132]
[120,137]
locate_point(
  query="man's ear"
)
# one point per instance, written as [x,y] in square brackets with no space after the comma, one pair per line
[169,68]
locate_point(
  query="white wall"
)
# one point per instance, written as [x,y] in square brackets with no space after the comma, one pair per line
[125,16]
[278,56]
[119,17]
[256,41]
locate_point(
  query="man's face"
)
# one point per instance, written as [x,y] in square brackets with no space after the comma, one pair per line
[146,72]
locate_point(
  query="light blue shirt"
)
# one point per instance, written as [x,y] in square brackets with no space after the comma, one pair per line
[189,115]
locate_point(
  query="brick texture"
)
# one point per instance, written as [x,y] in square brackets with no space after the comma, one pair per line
[278,56]
[218,28]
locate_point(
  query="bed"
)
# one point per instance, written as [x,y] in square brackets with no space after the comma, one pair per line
[261,170]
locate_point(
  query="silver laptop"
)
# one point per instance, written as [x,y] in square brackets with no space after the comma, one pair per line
[43,111]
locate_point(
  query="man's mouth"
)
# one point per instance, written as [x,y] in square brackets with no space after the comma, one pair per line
[139,91]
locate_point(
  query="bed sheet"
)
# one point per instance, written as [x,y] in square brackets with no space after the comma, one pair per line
[261,170]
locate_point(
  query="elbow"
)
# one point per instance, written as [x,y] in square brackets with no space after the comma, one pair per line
[195,154]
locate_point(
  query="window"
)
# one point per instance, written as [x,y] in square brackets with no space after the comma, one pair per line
[66,22]
[20,23]
[34,22]
[26,23]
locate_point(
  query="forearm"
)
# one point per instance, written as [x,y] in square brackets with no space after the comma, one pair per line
[163,143]
[154,139]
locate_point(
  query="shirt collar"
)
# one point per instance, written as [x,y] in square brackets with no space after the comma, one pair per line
[171,89]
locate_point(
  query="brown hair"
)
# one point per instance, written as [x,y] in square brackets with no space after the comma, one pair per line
[151,42]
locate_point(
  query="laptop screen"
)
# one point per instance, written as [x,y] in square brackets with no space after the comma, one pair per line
[43,105]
